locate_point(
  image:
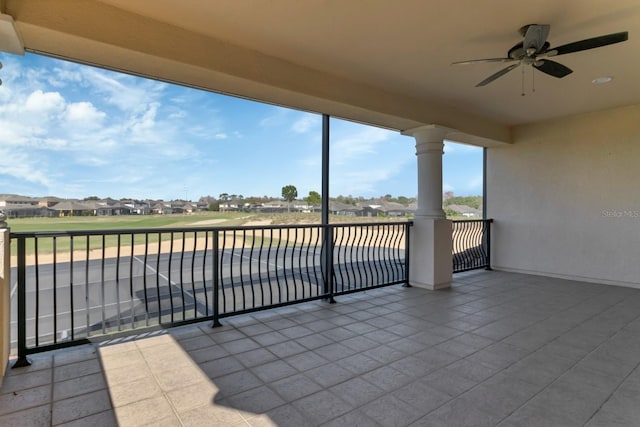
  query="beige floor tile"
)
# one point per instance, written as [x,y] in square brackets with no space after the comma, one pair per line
[80,406]
[179,378]
[26,380]
[144,412]
[74,370]
[116,360]
[38,416]
[113,347]
[171,421]
[130,392]
[23,399]
[206,416]
[127,374]
[153,341]
[77,386]
[193,396]
[74,355]
[102,419]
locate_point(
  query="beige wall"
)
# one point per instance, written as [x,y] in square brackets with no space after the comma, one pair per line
[566,198]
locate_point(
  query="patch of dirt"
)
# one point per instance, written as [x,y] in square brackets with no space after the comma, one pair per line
[208,222]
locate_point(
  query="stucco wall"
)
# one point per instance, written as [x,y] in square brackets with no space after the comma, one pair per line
[565,198]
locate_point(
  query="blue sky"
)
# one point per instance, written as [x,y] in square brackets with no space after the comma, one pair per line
[75,131]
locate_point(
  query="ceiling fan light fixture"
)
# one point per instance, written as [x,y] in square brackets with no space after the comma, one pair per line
[602,80]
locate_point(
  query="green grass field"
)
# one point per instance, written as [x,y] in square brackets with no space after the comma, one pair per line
[124,221]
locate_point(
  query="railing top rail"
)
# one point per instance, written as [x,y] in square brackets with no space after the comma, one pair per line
[107,232]
[472,220]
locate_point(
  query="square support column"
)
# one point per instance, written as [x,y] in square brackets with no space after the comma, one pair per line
[431,259]
[431,263]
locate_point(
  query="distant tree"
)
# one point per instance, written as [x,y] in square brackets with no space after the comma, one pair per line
[215,206]
[224,196]
[233,196]
[314,198]
[471,201]
[388,197]
[403,200]
[92,198]
[289,193]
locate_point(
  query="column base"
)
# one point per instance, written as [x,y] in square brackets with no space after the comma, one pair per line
[430,286]
[431,259]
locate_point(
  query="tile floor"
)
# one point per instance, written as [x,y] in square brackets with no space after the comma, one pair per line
[497,349]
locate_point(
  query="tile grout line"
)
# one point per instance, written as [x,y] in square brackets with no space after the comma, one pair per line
[536,350]
[578,361]
[53,367]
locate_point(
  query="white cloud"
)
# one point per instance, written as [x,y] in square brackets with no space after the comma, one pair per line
[305,123]
[83,112]
[347,148]
[22,166]
[278,117]
[40,102]
[221,136]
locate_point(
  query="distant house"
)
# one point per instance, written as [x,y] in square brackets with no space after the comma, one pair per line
[466,211]
[382,207]
[339,208]
[162,208]
[13,200]
[231,205]
[73,208]
[273,206]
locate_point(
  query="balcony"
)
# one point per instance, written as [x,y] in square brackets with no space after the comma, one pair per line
[497,348]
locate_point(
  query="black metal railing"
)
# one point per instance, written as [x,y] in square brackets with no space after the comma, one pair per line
[471,244]
[75,285]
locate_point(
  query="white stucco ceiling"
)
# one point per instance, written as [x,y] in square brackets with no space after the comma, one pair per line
[401,50]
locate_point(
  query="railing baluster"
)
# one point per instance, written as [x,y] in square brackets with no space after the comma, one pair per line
[293,273]
[253,243]
[87,303]
[102,291]
[131,292]
[216,291]
[55,290]
[118,243]
[169,283]
[184,304]
[144,279]
[276,266]
[204,276]
[244,297]
[220,272]
[159,297]
[37,274]
[71,287]
[193,278]
[338,252]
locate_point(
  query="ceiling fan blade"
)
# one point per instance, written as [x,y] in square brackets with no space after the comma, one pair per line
[535,37]
[481,61]
[552,68]
[590,43]
[497,75]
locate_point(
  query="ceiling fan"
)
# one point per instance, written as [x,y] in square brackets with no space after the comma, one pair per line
[535,50]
